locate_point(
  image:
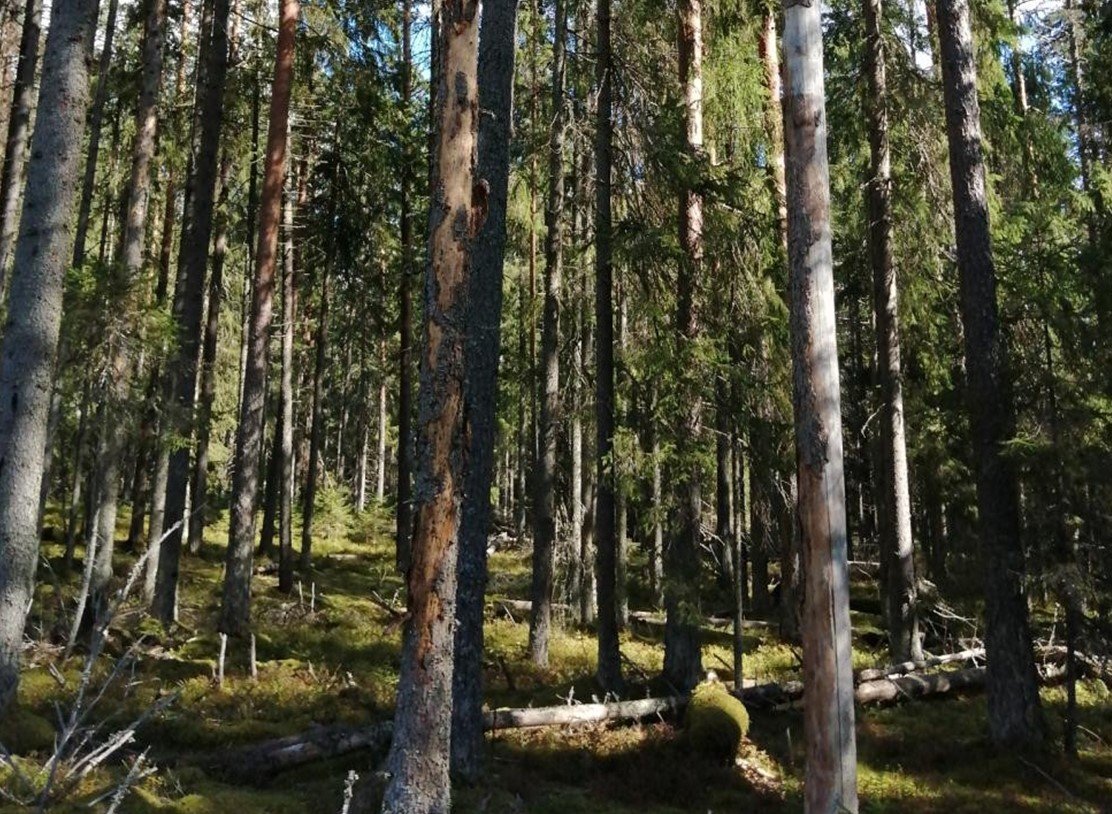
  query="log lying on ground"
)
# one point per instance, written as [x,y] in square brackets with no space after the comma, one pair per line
[891,670]
[327,742]
[658,621]
[527,717]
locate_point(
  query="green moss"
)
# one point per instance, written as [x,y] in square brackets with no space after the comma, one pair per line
[716,721]
[23,732]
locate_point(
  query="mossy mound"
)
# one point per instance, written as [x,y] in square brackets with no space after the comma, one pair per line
[716,721]
[22,732]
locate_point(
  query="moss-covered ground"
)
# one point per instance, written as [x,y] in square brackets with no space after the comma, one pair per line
[329,653]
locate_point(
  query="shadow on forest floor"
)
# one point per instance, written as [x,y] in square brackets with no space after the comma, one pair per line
[329,654]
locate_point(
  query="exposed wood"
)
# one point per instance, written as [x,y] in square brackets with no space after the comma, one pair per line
[820,518]
[874,673]
[418,762]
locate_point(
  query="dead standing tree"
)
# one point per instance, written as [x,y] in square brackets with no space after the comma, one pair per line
[827,659]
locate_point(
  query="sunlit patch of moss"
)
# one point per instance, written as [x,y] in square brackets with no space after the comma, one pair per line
[335,659]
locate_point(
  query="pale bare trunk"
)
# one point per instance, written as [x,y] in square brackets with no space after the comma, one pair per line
[831,784]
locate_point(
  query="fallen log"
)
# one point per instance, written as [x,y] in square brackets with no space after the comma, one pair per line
[327,742]
[918,685]
[892,670]
[657,620]
[527,717]
[318,743]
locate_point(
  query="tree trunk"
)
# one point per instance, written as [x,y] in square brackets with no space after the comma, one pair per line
[284,440]
[129,274]
[682,659]
[199,487]
[380,485]
[481,354]
[34,316]
[1015,715]
[774,117]
[609,656]
[235,611]
[270,492]
[316,426]
[404,509]
[896,543]
[19,128]
[96,120]
[544,520]
[828,703]
[189,295]
[418,764]
[317,423]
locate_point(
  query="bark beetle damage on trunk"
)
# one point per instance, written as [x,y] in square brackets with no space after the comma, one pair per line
[418,764]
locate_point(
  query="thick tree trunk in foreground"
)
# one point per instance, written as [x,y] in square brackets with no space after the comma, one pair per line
[235,612]
[1015,715]
[19,128]
[418,764]
[190,294]
[609,657]
[831,784]
[34,317]
[895,494]
[495,81]
[544,518]
[682,658]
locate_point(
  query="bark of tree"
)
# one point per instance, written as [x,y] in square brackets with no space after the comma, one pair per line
[682,658]
[418,763]
[286,474]
[96,121]
[895,495]
[317,422]
[544,515]
[606,544]
[235,610]
[19,129]
[128,273]
[497,40]
[827,664]
[34,316]
[774,116]
[150,440]
[199,484]
[180,385]
[270,492]
[1015,715]
[404,509]
[316,426]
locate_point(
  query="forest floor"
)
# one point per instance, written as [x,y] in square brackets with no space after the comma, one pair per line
[330,652]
